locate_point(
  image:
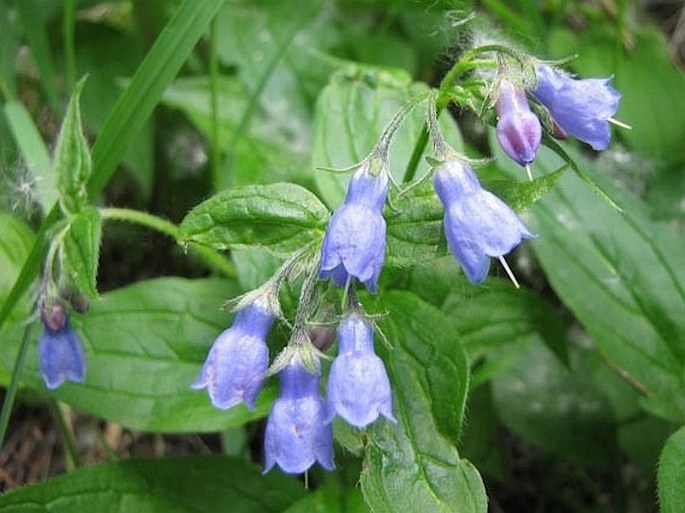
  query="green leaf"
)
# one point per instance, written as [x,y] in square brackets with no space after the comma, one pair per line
[555,408]
[281,217]
[672,474]
[352,112]
[145,345]
[72,165]
[330,498]
[414,465]
[33,151]
[168,485]
[621,276]
[16,239]
[81,250]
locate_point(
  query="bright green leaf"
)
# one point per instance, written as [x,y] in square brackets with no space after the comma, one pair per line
[145,345]
[414,465]
[169,485]
[81,250]
[281,217]
[72,166]
[672,474]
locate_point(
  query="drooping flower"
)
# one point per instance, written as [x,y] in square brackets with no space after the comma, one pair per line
[518,130]
[59,350]
[354,244]
[478,225]
[358,385]
[297,434]
[234,369]
[581,108]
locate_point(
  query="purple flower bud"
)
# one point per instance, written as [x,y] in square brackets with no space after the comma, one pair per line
[234,369]
[478,225]
[297,434]
[354,244]
[518,130]
[581,108]
[358,386]
[61,355]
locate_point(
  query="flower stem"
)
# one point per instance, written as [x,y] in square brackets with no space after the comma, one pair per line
[209,256]
[71,457]
[11,394]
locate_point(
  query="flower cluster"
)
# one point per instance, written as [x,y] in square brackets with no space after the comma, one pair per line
[580,108]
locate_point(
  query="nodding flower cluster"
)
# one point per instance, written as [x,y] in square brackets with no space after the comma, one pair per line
[579,108]
[478,226]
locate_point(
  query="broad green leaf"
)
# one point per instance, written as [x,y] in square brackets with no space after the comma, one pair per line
[555,408]
[281,217]
[72,166]
[350,116]
[167,485]
[16,239]
[620,275]
[414,465]
[81,250]
[33,150]
[672,474]
[145,345]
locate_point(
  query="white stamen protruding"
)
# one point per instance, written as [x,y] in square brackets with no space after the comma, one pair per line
[619,123]
[509,272]
[529,172]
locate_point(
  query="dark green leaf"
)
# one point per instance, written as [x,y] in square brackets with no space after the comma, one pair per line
[672,474]
[145,345]
[554,408]
[281,217]
[33,151]
[621,276]
[72,166]
[414,465]
[170,485]
[81,250]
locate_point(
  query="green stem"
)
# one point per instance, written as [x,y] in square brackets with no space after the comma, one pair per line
[70,452]
[68,24]
[141,218]
[467,63]
[209,256]
[214,102]
[11,394]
